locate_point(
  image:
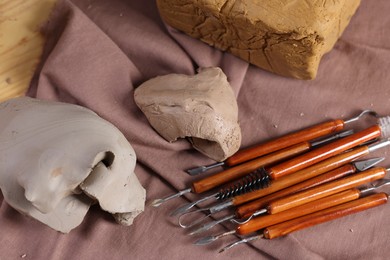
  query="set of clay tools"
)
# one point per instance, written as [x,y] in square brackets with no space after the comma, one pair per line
[289,183]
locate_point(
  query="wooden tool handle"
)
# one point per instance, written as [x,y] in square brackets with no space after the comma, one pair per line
[302,175]
[248,209]
[326,189]
[248,167]
[325,215]
[324,203]
[285,141]
[324,152]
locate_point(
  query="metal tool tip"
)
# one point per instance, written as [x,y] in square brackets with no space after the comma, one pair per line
[346,133]
[181,210]
[223,250]
[195,232]
[201,229]
[156,203]
[196,171]
[244,240]
[204,168]
[369,112]
[231,245]
[204,241]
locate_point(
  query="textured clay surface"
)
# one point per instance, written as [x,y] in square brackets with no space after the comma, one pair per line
[57,159]
[201,107]
[286,37]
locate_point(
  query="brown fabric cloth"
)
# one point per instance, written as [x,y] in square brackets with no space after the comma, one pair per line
[98,51]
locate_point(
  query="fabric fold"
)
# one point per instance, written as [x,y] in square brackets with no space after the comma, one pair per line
[98,52]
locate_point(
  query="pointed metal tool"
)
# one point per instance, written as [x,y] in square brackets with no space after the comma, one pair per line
[250,176]
[209,239]
[236,172]
[314,206]
[300,176]
[268,147]
[158,202]
[368,163]
[359,166]
[242,241]
[204,168]
[317,217]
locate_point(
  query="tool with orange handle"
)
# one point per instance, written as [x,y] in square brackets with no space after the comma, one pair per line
[244,169]
[299,176]
[302,161]
[248,210]
[323,190]
[315,218]
[344,196]
[289,180]
[314,193]
[269,220]
[323,152]
[285,141]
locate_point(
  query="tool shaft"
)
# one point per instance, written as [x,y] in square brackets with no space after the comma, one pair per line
[302,175]
[269,220]
[306,134]
[324,152]
[241,170]
[248,209]
[325,215]
[326,189]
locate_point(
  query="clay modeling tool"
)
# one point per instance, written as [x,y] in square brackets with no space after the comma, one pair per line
[263,177]
[248,210]
[314,206]
[267,220]
[300,176]
[322,153]
[316,192]
[307,134]
[315,218]
[244,169]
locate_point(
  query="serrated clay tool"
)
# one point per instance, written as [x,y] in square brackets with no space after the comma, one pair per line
[246,212]
[247,168]
[285,141]
[295,178]
[316,218]
[300,162]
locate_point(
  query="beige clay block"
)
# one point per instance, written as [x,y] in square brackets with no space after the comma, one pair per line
[286,37]
[201,108]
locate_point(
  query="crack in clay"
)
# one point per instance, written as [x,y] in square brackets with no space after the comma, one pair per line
[228,4]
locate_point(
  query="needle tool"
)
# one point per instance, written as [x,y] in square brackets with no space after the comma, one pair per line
[264,177]
[247,211]
[315,218]
[295,178]
[245,169]
[285,141]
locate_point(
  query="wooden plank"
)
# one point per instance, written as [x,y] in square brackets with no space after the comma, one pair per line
[20,43]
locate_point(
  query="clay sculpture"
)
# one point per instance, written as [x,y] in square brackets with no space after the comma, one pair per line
[57,159]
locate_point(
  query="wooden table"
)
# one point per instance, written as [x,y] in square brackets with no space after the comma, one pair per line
[20,43]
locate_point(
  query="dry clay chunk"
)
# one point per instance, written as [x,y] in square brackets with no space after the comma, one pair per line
[282,36]
[57,159]
[201,107]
